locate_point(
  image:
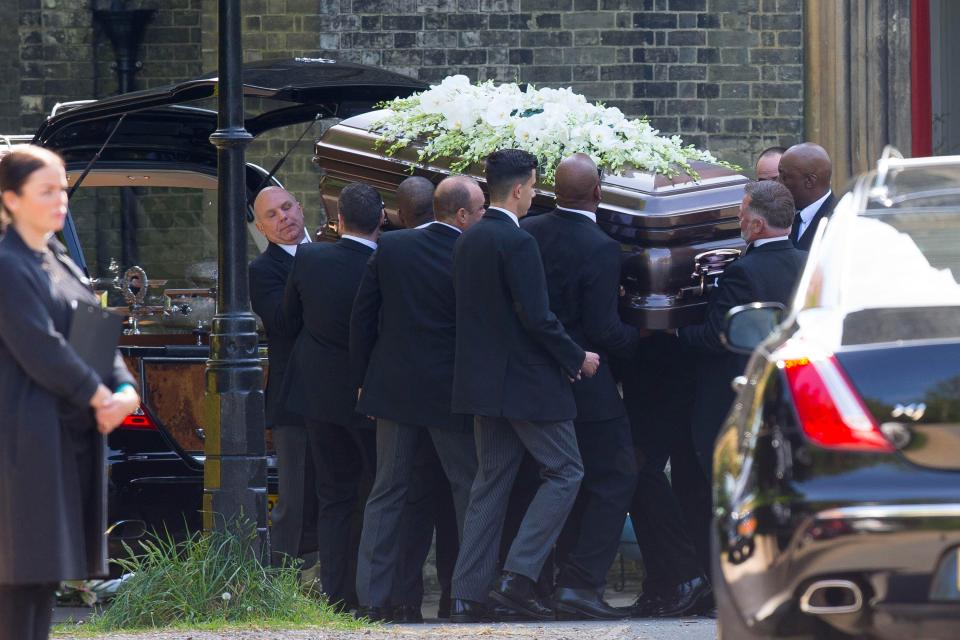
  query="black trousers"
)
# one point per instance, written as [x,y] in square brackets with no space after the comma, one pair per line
[667,514]
[26,611]
[293,521]
[429,508]
[589,541]
[393,544]
[344,461]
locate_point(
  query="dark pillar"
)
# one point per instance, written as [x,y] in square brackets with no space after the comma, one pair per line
[235,474]
[125,28]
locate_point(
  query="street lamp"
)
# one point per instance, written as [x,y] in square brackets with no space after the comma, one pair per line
[235,471]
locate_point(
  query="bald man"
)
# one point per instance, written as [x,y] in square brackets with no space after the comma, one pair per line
[415,202]
[768,164]
[582,265]
[402,342]
[805,170]
[279,217]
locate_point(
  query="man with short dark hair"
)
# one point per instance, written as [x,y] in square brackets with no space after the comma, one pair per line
[415,202]
[768,271]
[320,293]
[582,266]
[279,217]
[805,169]
[402,340]
[513,368]
[768,164]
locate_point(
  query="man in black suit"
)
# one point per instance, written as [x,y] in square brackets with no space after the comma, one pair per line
[320,292]
[805,170]
[767,272]
[279,217]
[582,266]
[513,368]
[402,340]
[415,202]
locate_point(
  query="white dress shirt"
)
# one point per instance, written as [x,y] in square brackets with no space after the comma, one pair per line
[292,248]
[427,224]
[762,241]
[512,215]
[808,212]
[364,241]
[589,214]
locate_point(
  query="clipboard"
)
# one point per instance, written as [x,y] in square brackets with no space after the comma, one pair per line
[94,335]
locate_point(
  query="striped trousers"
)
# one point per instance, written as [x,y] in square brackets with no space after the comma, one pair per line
[500,447]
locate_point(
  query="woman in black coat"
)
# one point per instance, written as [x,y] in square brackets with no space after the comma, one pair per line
[54,408]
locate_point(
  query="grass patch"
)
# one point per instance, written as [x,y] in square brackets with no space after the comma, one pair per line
[208,581]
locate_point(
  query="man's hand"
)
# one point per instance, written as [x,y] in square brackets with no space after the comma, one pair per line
[112,411]
[591,362]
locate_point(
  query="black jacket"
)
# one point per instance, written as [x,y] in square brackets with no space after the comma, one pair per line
[52,514]
[403,329]
[268,280]
[582,267]
[320,290]
[768,273]
[804,242]
[513,357]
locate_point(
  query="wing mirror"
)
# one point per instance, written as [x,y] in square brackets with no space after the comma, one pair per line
[748,325]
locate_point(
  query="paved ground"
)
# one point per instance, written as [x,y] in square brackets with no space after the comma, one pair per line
[681,629]
[695,628]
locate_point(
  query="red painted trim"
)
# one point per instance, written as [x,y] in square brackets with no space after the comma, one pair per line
[921,107]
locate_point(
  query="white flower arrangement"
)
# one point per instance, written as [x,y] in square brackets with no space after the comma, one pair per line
[467,122]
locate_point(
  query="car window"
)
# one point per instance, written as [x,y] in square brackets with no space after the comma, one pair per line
[888,267]
[168,231]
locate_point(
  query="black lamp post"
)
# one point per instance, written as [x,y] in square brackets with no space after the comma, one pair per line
[235,472]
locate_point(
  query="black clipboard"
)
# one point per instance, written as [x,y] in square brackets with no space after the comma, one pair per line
[94,335]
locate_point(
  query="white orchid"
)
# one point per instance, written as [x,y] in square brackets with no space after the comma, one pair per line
[467,122]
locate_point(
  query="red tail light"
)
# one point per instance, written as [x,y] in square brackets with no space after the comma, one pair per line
[831,413]
[140,420]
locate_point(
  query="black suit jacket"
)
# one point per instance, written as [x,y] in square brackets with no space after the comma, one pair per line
[582,267]
[804,241]
[268,280]
[403,329]
[513,357]
[321,290]
[768,273]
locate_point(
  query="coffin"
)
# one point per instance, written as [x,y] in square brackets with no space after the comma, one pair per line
[677,234]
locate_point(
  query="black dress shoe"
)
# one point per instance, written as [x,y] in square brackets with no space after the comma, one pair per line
[464,611]
[583,604]
[516,592]
[374,614]
[443,608]
[646,605]
[500,613]
[407,614]
[686,598]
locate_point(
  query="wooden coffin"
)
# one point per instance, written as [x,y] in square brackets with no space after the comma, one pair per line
[677,234]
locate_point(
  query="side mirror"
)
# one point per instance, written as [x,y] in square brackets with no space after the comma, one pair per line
[748,325]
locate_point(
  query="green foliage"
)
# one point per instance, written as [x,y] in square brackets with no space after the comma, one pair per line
[209,579]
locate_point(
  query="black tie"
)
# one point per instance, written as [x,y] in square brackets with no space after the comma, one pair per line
[795,229]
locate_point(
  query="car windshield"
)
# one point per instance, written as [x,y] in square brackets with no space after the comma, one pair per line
[888,266]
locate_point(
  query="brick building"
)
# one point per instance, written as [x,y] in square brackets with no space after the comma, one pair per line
[732,76]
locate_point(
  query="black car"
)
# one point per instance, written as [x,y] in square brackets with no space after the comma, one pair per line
[149,203]
[837,473]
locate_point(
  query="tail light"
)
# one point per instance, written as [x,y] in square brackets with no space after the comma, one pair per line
[831,413]
[140,420]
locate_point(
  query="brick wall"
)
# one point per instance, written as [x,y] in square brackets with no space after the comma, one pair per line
[724,74]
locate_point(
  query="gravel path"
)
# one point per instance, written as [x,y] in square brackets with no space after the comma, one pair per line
[682,629]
